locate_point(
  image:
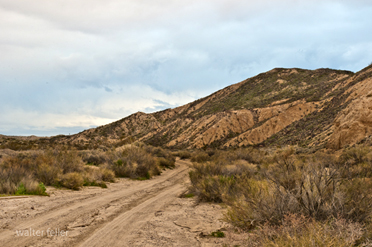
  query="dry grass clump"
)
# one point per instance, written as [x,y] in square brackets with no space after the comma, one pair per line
[134,162]
[297,230]
[72,180]
[14,179]
[183,154]
[63,167]
[94,157]
[165,158]
[318,187]
[200,156]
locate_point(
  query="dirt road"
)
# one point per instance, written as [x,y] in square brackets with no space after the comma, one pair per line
[128,213]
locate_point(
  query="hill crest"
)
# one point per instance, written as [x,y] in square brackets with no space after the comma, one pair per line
[319,108]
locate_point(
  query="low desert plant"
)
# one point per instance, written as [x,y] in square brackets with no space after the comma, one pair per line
[183,154]
[72,180]
[166,163]
[218,234]
[134,162]
[30,187]
[108,175]
[61,167]
[320,188]
[200,156]
[297,230]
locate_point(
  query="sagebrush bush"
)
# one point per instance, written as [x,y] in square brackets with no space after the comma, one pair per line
[356,155]
[108,175]
[29,186]
[297,230]
[95,157]
[200,156]
[319,187]
[183,154]
[16,179]
[47,173]
[134,162]
[72,180]
[71,169]
[163,162]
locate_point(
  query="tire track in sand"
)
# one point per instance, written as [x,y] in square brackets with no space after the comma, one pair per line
[66,214]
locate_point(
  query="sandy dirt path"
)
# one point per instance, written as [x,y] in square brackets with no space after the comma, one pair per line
[128,213]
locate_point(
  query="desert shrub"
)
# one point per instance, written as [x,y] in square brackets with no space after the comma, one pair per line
[134,162]
[240,167]
[164,157]
[108,175]
[212,188]
[122,169]
[253,204]
[183,154]
[63,167]
[210,152]
[297,230]
[208,183]
[208,168]
[223,157]
[52,164]
[318,186]
[143,172]
[48,174]
[218,234]
[312,189]
[12,170]
[251,155]
[356,199]
[356,162]
[7,187]
[30,187]
[355,155]
[156,151]
[68,160]
[95,158]
[97,176]
[16,179]
[163,162]
[200,156]
[72,180]
[11,175]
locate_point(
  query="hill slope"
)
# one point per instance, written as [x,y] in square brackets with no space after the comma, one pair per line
[320,108]
[279,107]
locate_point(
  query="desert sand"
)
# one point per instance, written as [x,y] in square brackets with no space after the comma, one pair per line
[127,213]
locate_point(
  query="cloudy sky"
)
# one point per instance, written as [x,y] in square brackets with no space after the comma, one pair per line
[70,65]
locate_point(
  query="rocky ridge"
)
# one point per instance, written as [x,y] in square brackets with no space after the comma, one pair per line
[320,108]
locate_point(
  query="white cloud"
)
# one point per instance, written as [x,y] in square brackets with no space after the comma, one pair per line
[97,61]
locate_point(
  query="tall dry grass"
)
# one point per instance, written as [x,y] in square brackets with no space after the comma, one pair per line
[63,167]
[263,188]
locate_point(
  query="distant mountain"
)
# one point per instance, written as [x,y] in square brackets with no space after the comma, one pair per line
[319,108]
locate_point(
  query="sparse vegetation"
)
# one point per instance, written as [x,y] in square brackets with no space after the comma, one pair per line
[218,234]
[292,196]
[27,172]
[199,156]
[325,193]
[183,154]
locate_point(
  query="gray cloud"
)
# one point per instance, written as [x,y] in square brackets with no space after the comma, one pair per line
[88,63]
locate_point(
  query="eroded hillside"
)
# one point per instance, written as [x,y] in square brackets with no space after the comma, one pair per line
[320,108]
